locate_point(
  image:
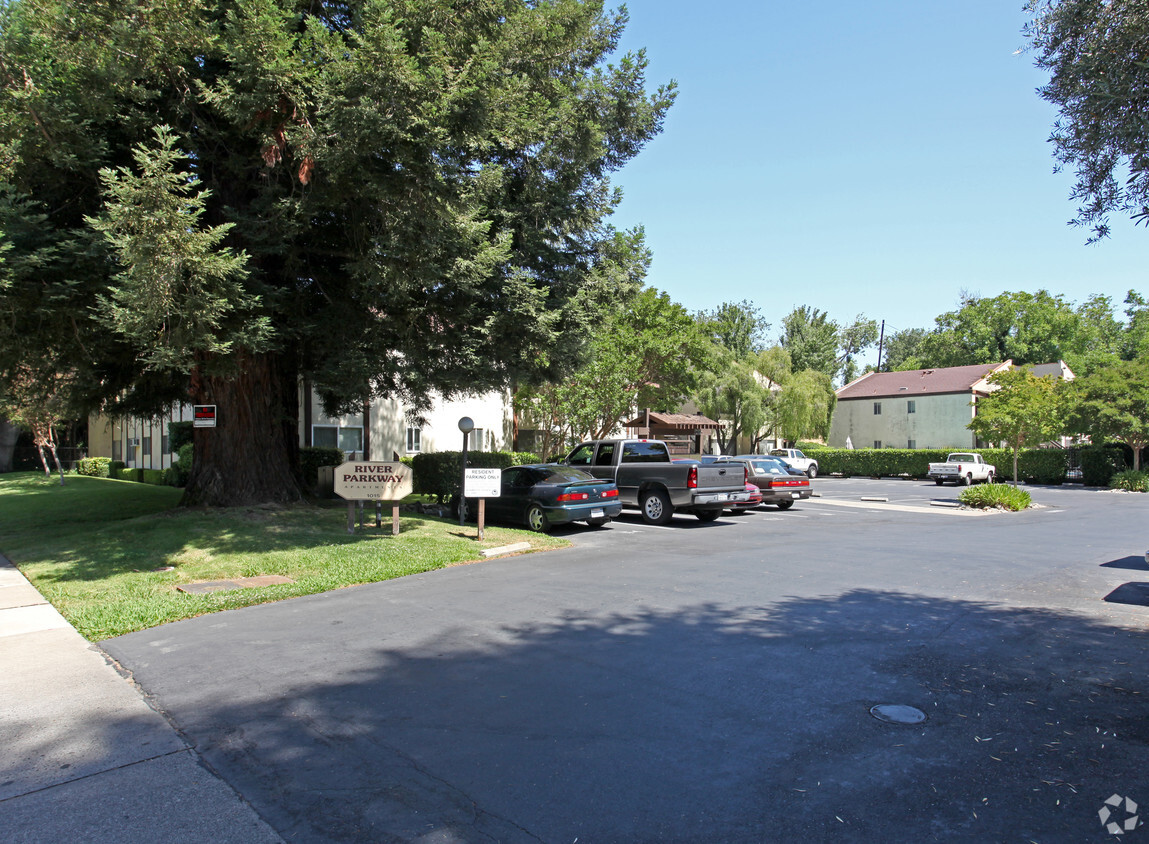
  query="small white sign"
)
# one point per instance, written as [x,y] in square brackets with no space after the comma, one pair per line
[482,483]
[358,480]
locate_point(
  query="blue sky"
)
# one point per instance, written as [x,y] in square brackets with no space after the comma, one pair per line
[875,158]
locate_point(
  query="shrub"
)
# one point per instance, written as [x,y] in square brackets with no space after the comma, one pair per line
[180,434]
[312,457]
[155,477]
[93,467]
[126,474]
[1130,480]
[114,468]
[178,473]
[1002,496]
[1099,464]
[1042,465]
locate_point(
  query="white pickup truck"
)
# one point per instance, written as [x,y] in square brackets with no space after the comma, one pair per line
[962,468]
[795,458]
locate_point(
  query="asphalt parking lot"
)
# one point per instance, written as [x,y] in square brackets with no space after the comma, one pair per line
[699,682]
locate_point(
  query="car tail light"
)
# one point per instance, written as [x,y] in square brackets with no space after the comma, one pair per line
[574,496]
[692,478]
[610,493]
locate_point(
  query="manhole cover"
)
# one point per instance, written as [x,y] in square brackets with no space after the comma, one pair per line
[896,713]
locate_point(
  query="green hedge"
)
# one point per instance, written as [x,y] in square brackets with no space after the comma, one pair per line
[126,474]
[440,473]
[1035,465]
[312,457]
[155,477]
[93,467]
[1099,464]
[180,434]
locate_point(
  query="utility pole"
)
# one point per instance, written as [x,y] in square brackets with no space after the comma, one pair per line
[881,340]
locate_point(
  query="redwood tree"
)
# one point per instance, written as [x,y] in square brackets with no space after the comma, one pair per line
[387,197]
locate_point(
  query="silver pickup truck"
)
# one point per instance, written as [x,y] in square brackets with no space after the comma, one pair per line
[647,479]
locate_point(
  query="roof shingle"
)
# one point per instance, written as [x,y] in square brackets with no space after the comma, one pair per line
[918,382]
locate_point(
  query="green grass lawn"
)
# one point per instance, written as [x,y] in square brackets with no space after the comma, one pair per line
[95,549]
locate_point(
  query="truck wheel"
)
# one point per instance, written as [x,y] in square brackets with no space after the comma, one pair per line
[708,515]
[989,478]
[537,520]
[938,481]
[967,480]
[785,505]
[656,509]
[812,472]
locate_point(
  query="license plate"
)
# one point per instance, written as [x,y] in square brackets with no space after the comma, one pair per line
[795,495]
[597,514]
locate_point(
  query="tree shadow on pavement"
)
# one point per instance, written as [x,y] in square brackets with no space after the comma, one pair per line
[345,718]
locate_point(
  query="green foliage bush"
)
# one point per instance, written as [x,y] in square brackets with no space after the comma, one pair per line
[440,473]
[126,474]
[1039,465]
[1002,496]
[1099,464]
[1042,465]
[179,435]
[181,468]
[312,457]
[94,467]
[114,468]
[155,477]
[1130,480]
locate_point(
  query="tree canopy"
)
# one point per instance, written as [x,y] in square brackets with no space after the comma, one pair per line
[384,197]
[1112,405]
[645,352]
[1099,82]
[1023,410]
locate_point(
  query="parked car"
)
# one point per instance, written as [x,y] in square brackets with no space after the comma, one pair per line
[794,457]
[781,484]
[650,481]
[547,494]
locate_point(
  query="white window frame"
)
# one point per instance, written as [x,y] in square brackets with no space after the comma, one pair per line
[414,439]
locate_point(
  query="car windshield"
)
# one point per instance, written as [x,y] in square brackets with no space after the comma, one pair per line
[773,467]
[563,475]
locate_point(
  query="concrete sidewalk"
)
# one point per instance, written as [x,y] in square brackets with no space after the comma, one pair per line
[82,755]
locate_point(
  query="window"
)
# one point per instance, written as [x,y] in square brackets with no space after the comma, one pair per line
[645,452]
[877,443]
[877,408]
[165,445]
[582,455]
[605,455]
[414,439]
[475,440]
[332,436]
[912,443]
[911,407]
[117,450]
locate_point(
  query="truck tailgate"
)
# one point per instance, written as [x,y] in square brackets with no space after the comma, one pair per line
[719,477]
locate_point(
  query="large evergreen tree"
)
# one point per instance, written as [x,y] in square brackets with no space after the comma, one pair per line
[386,197]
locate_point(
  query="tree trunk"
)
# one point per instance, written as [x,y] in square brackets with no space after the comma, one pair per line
[43,460]
[252,455]
[9,433]
[56,460]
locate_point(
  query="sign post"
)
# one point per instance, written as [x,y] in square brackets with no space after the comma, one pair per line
[482,484]
[359,481]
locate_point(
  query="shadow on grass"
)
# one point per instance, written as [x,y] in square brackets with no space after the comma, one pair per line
[700,723]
